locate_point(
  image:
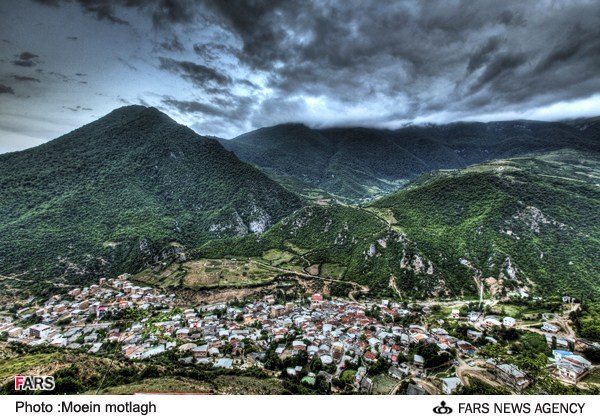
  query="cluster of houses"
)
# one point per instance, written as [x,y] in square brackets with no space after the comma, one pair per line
[569,367]
[336,331]
[65,319]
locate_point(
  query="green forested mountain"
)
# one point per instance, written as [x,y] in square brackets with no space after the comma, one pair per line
[130,188]
[526,224]
[359,163]
[135,189]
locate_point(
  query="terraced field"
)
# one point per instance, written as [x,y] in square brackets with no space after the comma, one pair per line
[208,274]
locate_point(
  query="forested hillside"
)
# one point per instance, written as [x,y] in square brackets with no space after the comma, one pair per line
[129,189]
[516,225]
[359,164]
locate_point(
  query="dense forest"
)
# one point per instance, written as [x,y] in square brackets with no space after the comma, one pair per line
[123,191]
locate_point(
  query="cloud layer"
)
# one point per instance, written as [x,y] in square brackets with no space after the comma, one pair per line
[241,64]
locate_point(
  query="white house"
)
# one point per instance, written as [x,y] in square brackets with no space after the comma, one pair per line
[450,384]
[508,321]
[492,322]
[550,328]
[40,331]
[570,368]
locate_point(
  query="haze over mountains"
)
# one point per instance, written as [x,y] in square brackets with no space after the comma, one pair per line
[135,189]
[358,163]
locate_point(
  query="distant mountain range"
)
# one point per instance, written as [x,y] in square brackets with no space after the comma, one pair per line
[126,190]
[358,164]
[510,206]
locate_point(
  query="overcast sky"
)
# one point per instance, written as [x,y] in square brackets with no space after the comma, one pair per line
[227,67]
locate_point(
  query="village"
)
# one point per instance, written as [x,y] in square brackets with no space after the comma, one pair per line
[348,345]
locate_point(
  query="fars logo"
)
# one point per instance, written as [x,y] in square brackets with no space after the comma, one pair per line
[34,382]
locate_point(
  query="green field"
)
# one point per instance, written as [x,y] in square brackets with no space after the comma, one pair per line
[209,273]
[277,257]
[593,377]
[333,271]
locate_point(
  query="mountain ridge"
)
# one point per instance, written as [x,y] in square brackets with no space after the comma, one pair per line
[359,164]
[525,224]
[113,194]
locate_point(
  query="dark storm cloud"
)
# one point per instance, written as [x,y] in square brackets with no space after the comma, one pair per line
[577,43]
[502,65]
[167,12]
[483,54]
[48,2]
[77,108]
[26,59]
[353,51]
[102,10]
[261,25]
[162,12]
[172,45]
[198,74]
[225,109]
[25,78]
[224,105]
[6,89]
[195,107]
[509,18]
[212,51]
[394,60]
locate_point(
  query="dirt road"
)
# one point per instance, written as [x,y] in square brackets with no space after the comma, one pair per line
[359,287]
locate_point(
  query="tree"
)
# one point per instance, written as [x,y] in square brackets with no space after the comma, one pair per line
[316,365]
[380,366]
[494,351]
[592,354]
[272,361]
[531,343]
[532,366]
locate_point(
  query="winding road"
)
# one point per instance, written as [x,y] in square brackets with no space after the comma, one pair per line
[361,287]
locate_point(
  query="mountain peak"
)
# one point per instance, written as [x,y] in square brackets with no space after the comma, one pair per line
[135,179]
[131,113]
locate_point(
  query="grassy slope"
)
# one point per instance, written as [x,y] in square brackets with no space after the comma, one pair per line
[223,385]
[78,372]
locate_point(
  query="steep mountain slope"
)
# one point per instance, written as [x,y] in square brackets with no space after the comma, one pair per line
[132,187]
[524,224]
[359,163]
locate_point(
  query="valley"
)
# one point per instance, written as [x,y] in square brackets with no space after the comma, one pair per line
[140,240]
